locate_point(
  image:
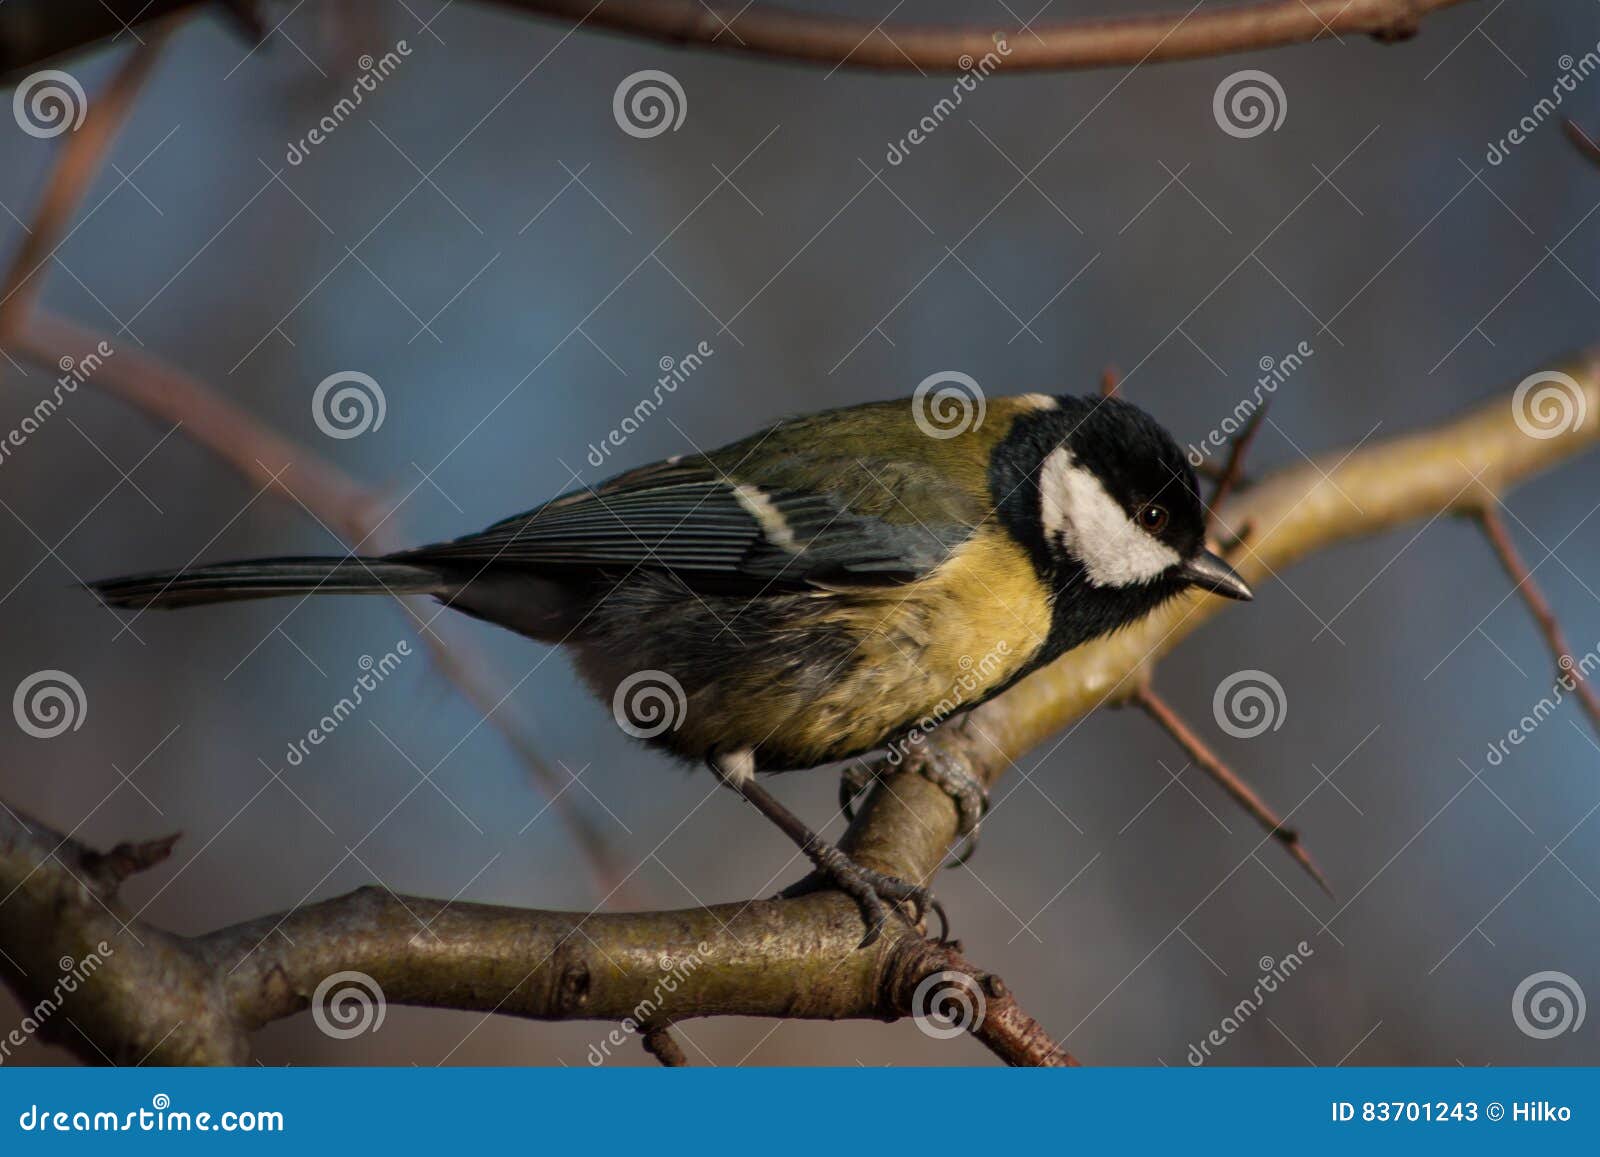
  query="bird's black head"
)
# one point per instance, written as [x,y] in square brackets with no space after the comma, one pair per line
[1109,507]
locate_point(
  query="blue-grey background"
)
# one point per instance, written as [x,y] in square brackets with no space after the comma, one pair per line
[556,260]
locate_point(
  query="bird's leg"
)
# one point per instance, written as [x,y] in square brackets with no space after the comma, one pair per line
[866,886]
[970,796]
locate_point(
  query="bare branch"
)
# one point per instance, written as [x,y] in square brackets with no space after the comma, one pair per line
[76,165]
[1243,794]
[1494,528]
[33,29]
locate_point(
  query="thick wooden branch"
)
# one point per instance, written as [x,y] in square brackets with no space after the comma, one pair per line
[32,30]
[196,1000]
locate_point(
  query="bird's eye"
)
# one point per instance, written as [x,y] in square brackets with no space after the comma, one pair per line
[1153,518]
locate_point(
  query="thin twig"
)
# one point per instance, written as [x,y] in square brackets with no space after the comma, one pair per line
[1243,794]
[1494,528]
[1233,470]
[77,162]
[1110,379]
[1585,144]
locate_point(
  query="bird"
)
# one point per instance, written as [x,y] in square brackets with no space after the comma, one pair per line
[818,591]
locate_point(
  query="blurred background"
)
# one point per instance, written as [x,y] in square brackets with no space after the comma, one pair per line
[483,239]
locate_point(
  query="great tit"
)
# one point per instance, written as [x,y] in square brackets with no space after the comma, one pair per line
[817,591]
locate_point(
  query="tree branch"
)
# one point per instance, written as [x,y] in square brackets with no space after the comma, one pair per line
[33,30]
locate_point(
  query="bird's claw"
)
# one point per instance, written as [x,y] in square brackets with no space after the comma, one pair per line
[870,888]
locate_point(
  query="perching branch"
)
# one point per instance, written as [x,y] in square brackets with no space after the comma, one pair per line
[32,30]
[195,1000]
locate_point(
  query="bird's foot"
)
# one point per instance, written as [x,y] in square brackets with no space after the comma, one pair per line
[873,891]
[927,760]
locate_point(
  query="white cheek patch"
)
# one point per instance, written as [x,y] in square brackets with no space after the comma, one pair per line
[1093,527]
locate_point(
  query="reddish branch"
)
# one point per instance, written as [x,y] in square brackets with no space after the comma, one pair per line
[1494,528]
[1226,778]
[32,29]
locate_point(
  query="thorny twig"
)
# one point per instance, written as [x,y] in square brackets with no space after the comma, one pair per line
[1494,528]
[1226,778]
[1233,471]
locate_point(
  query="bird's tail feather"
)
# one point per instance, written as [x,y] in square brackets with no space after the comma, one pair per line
[264,578]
